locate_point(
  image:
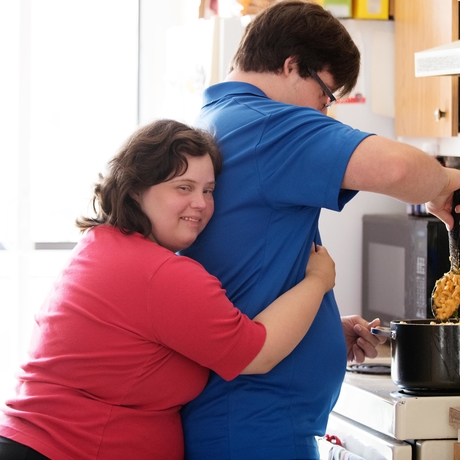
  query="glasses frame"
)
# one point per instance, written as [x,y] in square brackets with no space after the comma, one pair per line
[326,90]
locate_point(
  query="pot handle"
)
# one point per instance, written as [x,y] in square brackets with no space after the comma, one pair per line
[385,331]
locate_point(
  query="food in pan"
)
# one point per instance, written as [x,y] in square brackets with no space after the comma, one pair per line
[446,296]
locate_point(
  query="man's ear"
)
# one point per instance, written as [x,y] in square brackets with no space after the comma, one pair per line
[289,65]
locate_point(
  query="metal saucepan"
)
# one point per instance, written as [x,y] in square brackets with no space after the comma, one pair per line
[425,354]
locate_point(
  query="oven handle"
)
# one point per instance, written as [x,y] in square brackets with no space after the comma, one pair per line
[385,331]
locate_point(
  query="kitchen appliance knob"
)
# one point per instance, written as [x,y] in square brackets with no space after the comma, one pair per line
[438,114]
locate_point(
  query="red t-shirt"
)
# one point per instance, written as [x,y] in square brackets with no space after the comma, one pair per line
[124,339]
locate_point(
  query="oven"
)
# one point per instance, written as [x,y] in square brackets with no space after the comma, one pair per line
[376,420]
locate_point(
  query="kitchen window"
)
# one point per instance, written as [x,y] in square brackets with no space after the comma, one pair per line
[70,91]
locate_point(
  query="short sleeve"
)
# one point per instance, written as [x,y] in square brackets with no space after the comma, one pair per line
[302,158]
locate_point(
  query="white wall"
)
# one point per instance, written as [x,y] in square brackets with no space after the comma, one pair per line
[342,232]
[61,119]
[342,235]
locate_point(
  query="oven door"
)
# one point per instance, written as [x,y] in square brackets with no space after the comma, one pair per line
[367,443]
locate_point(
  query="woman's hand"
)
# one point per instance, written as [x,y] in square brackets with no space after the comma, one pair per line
[321,265]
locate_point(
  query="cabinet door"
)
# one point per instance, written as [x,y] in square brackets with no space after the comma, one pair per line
[419,25]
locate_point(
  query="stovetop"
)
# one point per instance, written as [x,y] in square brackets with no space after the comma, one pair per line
[376,402]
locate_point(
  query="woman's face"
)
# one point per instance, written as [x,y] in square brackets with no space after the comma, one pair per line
[180,208]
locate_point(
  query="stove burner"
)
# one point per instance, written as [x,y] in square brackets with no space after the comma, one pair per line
[428,392]
[370,368]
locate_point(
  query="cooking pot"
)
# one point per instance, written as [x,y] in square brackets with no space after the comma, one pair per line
[425,354]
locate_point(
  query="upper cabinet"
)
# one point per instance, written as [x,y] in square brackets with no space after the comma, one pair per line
[424,106]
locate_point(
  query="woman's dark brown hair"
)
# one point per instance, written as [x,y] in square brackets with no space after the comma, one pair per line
[155,153]
[302,30]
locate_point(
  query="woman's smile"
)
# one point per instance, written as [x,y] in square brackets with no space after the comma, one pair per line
[180,208]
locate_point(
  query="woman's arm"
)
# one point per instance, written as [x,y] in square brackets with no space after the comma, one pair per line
[289,317]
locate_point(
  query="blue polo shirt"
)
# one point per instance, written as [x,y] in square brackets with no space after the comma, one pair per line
[282,164]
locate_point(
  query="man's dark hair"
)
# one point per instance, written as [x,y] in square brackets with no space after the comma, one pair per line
[306,32]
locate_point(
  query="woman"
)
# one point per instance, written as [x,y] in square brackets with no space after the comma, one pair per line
[127,334]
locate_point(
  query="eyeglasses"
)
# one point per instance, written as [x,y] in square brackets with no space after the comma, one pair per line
[326,90]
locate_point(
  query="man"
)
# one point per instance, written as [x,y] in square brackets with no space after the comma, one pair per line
[285,160]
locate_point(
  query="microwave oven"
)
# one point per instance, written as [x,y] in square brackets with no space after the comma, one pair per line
[403,256]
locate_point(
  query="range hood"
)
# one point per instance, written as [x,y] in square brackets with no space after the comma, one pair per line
[442,60]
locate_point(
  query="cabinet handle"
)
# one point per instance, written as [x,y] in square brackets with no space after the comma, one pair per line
[438,114]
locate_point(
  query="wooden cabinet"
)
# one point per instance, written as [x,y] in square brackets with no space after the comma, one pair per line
[419,25]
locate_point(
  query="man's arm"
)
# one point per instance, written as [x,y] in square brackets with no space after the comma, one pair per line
[403,172]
